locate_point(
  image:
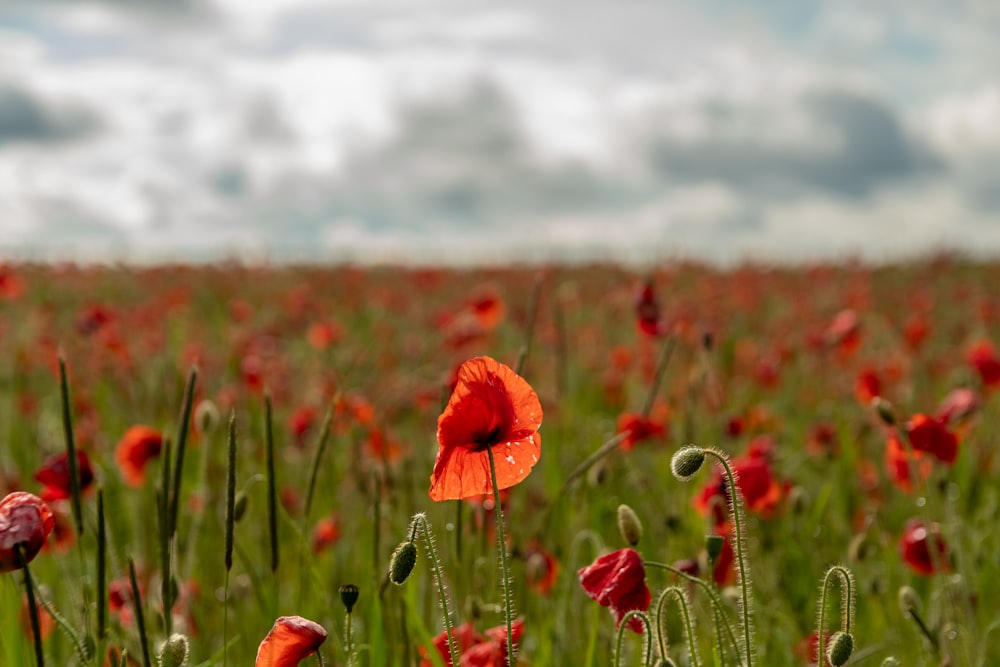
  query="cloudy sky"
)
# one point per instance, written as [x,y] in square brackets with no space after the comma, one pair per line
[471,130]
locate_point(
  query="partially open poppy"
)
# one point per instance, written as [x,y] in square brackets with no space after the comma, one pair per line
[618,581]
[25,521]
[54,474]
[291,640]
[134,451]
[492,407]
[982,356]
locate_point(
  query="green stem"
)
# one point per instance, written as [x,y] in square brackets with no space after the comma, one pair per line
[182,436]
[682,602]
[505,571]
[272,485]
[635,613]
[421,520]
[324,436]
[164,516]
[736,509]
[36,626]
[140,620]
[74,473]
[350,651]
[102,564]
[661,370]
[846,605]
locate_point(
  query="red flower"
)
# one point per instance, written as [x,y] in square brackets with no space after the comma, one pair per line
[465,637]
[492,407]
[957,405]
[867,386]
[301,424]
[134,451]
[844,331]
[761,491]
[647,310]
[493,651]
[54,474]
[291,640]
[916,545]
[11,286]
[638,428]
[26,521]
[983,357]
[618,580]
[899,461]
[927,434]
[325,534]
[541,568]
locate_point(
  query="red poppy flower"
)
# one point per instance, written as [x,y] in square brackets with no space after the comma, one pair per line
[323,334]
[11,286]
[493,651]
[867,386]
[916,545]
[137,447]
[291,640]
[325,534]
[647,310]
[618,580]
[899,462]
[541,568]
[26,521]
[927,434]
[761,491]
[638,428]
[488,308]
[957,405]
[465,637]
[492,407]
[54,474]
[844,331]
[983,357]
[302,423]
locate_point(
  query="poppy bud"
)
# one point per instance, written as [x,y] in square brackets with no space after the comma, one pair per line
[713,545]
[686,462]
[891,661]
[240,506]
[206,416]
[174,652]
[840,648]
[883,409]
[349,596]
[909,601]
[629,525]
[404,558]
[665,662]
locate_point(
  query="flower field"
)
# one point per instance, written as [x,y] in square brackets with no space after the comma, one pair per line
[273,464]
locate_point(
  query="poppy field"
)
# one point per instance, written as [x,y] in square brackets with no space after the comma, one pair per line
[368,466]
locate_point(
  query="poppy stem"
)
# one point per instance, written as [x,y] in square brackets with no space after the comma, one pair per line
[36,626]
[74,472]
[661,371]
[846,605]
[348,646]
[230,523]
[164,515]
[272,487]
[420,521]
[641,615]
[182,435]
[504,569]
[683,603]
[529,329]
[102,564]
[324,436]
[140,620]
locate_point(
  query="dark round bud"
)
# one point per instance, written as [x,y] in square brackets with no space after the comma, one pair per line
[349,596]
[629,525]
[687,461]
[404,558]
[713,545]
[840,648]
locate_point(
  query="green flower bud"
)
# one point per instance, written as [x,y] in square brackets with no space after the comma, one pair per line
[629,525]
[240,506]
[840,648]
[713,545]
[686,462]
[174,652]
[404,558]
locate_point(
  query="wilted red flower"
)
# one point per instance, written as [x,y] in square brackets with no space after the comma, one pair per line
[26,521]
[492,407]
[638,428]
[917,544]
[291,640]
[927,434]
[983,357]
[325,534]
[54,474]
[135,449]
[618,580]
[647,310]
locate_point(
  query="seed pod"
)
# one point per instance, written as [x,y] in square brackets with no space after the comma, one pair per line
[349,596]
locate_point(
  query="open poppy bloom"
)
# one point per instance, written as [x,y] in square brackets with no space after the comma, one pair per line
[291,640]
[25,521]
[647,310]
[137,447]
[928,434]
[638,428]
[54,474]
[492,408]
[618,581]
[982,356]
[917,544]
[474,649]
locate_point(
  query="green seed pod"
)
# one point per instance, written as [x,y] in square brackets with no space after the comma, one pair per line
[629,525]
[174,652]
[713,545]
[349,596]
[404,558]
[840,648]
[686,462]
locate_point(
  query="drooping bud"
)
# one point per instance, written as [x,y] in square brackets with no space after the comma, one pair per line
[909,601]
[686,462]
[840,648]
[349,596]
[884,410]
[713,545]
[404,558]
[174,652]
[629,525]
[206,416]
[891,661]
